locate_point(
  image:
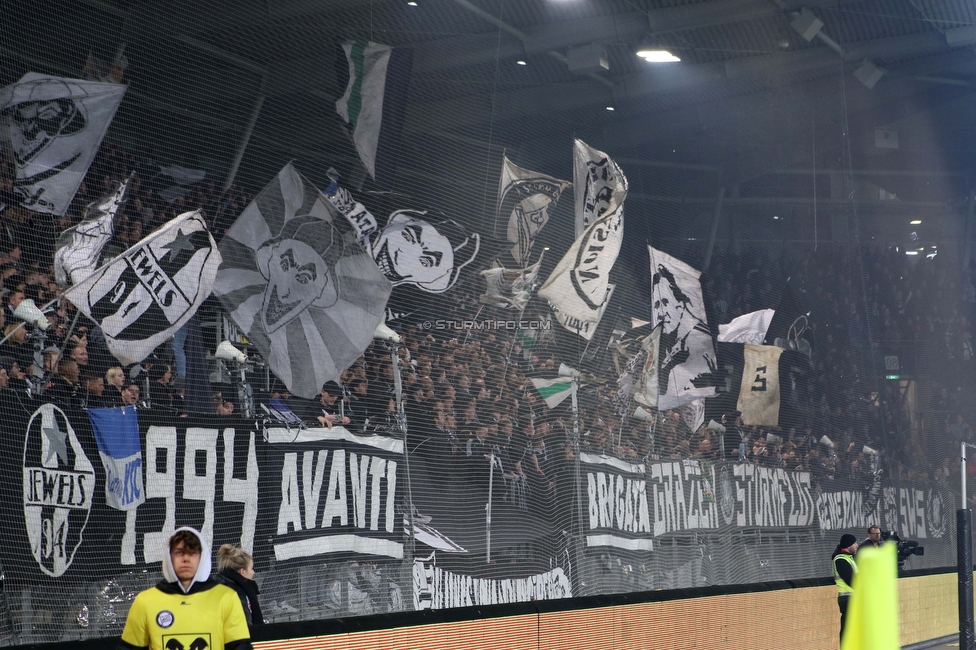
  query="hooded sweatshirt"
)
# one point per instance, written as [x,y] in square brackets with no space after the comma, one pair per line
[203,615]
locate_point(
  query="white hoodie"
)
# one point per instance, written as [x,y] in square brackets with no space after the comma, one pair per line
[203,570]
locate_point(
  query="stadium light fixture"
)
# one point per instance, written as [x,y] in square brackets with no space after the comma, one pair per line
[657,56]
[610,108]
[411,3]
[911,252]
[915,222]
[520,62]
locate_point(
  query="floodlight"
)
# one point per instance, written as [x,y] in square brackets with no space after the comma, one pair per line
[28,312]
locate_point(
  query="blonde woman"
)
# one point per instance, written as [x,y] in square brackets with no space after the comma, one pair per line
[235,568]
[114,379]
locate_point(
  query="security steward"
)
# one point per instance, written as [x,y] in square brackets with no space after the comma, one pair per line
[844,571]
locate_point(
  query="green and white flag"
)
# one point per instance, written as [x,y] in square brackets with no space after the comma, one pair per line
[361,107]
[553,391]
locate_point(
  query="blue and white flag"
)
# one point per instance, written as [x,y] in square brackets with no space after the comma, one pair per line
[117,435]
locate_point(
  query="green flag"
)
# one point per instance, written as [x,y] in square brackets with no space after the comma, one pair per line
[553,391]
[361,107]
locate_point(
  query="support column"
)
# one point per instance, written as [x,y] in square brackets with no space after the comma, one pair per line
[245,139]
[715,221]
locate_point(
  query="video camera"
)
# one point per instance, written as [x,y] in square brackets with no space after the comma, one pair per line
[906,547]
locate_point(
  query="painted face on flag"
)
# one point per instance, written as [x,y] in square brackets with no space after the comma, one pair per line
[411,250]
[670,302]
[33,125]
[298,275]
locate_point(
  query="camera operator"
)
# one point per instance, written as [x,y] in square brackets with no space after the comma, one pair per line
[844,568]
[873,538]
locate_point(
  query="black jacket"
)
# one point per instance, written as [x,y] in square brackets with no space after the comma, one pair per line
[247,590]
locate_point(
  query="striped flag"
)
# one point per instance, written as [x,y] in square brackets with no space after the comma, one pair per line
[553,391]
[361,107]
[79,248]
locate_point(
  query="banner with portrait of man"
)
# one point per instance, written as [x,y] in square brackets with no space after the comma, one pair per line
[686,354]
[297,284]
[52,127]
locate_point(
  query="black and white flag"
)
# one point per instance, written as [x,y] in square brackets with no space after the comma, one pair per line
[687,354]
[79,248]
[525,198]
[296,283]
[599,185]
[414,248]
[53,128]
[143,296]
[765,383]
[579,287]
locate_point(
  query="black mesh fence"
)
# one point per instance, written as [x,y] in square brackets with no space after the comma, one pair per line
[533,435]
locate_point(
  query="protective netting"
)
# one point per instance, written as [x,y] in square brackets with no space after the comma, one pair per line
[549,445]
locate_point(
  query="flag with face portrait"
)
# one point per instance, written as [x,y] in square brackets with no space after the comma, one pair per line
[416,248]
[143,296]
[52,128]
[526,198]
[295,281]
[686,351]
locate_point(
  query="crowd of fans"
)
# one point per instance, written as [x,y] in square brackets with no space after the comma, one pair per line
[467,394]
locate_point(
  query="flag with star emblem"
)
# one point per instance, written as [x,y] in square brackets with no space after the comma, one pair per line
[143,296]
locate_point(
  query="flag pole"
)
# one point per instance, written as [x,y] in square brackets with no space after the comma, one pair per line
[401,419]
[491,485]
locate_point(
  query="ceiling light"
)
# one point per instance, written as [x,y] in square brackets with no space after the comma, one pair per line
[911,252]
[657,56]
[411,3]
[915,222]
[610,108]
[775,217]
[520,62]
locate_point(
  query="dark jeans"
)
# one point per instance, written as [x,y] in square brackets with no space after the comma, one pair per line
[842,604]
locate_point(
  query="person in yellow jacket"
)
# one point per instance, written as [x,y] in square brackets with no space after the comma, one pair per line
[187,610]
[844,570]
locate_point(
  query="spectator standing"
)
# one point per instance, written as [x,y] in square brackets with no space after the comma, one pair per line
[235,569]
[214,618]
[844,569]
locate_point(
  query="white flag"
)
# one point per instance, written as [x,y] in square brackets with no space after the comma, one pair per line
[553,391]
[143,296]
[598,183]
[184,180]
[579,288]
[53,128]
[747,328]
[509,289]
[79,248]
[643,371]
[759,394]
[361,107]
[687,354]
[296,283]
[525,198]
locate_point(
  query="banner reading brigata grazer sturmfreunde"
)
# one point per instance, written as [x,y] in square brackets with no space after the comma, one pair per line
[334,493]
[54,127]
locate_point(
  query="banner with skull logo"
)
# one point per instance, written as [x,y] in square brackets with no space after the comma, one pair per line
[52,128]
[294,280]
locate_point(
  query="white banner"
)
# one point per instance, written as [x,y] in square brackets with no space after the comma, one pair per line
[759,393]
[435,588]
[53,127]
[526,197]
